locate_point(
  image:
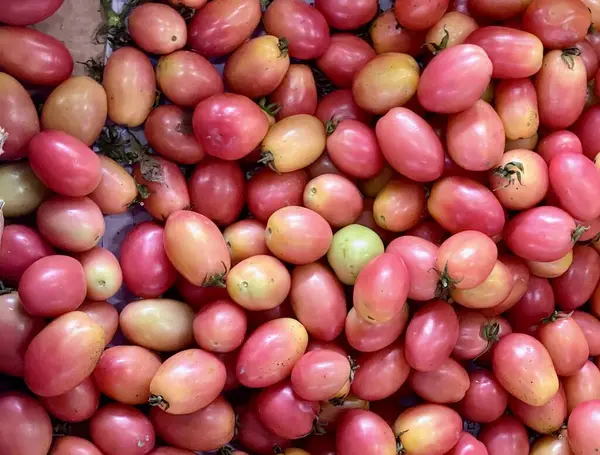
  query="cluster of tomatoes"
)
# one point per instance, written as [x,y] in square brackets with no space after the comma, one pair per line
[369,229]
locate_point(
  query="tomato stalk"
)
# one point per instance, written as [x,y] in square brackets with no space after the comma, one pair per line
[94,68]
[3,138]
[269,109]
[489,332]
[400,450]
[508,172]
[324,85]
[60,429]
[5,290]
[578,232]
[267,159]
[330,126]
[217,280]
[555,316]
[568,56]
[445,284]
[437,48]
[225,450]
[158,400]
[319,427]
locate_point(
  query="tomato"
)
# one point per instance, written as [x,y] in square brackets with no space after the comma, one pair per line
[130,85]
[103,273]
[298,235]
[245,239]
[186,78]
[158,324]
[387,35]
[505,435]
[131,431]
[73,445]
[536,303]
[490,293]
[157,29]
[353,148]
[63,354]
[583,386]
[341,15]
[367,337]
[321,444]
[198,296]
[22,192]
[476,334]
[256,436]
[430,429]
[551,269]
[217,190]
[543,233]
[422,157]
[124,373]
[352,247]
[589,57]
[428,230]
[586,130]
[498,10]
[117,189]
[229,126]
[451,30]
[516,103]
[34,57]
[297,93]
[220,326]
[485,400]
[339,105]
[318,300]
[455,79]
[558,142]
[75,405]
[19,328]
[524,368]
[399,206]
[589,325]
[21,246]
[346,55]
[544,419]
[447,384]
[18,118]
[468,445]
[221,27]
[419,16]
[362,431]
[186,232]
[558,24]
[321,375]
[64,164]
[104,314]
[71,224]
[303,26]
[28,12]
[217,421]
[582,420]
[269,191]
[521,276]
[26,427]
[577,284]
[335,198]
[561,88]
[552,445]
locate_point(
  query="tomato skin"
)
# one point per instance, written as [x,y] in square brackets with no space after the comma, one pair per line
[589,57]
[186,78]
[335,198]
[419,16]
[577,284]
[442,90]
[346,55]
[589,325]
[471,342]
[552,269]
[362,431]
[491,292]
[318,300]
[485,400]
[521,276]
[220,326]
[75,405]
[117,189]
[582,422]
[103,273]
[222,26]
[458,25]
[544,419]
[583,386]
[366,337]
[32,56]
[514,53]
[339,105]
[552,445]
[26,427]
[16,117]
[558,142]
[21,246]
[505,435]
[74,337]
[104,314]
[536,303]
[320,375]
[468,445]
[269,191]
[22,191]
[28,12]
[387,35]
[475,137]
[343,16]
[422,158]
[561,89]
[157,29]
[419,256]
[400,205]
[540,234]
[73,445]
[256,436]
[517,105]
[431,335]
[269,353]
[245,239]
[297,93]
[524,368]
[447,384]
[442,426]
[130,86]
[304,27]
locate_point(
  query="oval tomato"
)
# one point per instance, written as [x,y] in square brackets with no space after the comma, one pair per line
[400,205]
[297,93]
[104,314]
[367,337]
[245,239]
[485,400]
[68,445]
[321,375]
[545,419]
[339,105]
[577,284]
[363,431]
[117,189]
[583,386]
[75,405]
[562,141]
[157,29]
[28,12]
[26,427]
[419,16]
[346,55]
[516,102]
[505,435]
[21,246]
[447,384]
[559,24]
[582,420]
[388,35]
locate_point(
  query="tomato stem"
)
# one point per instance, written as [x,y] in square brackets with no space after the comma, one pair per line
[353,367]
[337,401]
[509,171]
[318,427]
[158,400]
[264,4]
[5,290]
[445,284]
[578,232]
[3,137]
[283,47]
[60,429]
[152,170]
[225,450]
[270,109]
[489,332]
[568,55]
[437,48]
[94,68]
[267,158]
[217,280]
[400,450]
[555,316]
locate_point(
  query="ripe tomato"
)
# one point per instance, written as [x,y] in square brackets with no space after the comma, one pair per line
[505,435]
[367,337]
[75,405]
[447,384]
[21,190]
[220,326]
[28,12]
[335,198]
[400,205]
[21,246]
[297,93]
[517,105]
[544,419]
[388,35]
[67,445]
[559,24]
[157,29]
[551,269]
[552,445]
[562,141]
[362,431]
[343,16]
[490,293]
[577,284]
[117,189]
[245,239]
[104,314]
[269,191]
[451,30]
[419,256]
[468,445]
[346,55]
[419,16]
[586,130]
[583,386]
[26,427]
[536,303]
[321,375]
[588,324]
[582,420]
[103,273]
[339,105]
[485,400]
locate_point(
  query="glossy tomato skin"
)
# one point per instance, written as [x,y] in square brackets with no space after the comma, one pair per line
[73,445]
[400,205]
[21,246]
[544,419]
[442,90]
[117,188]
[302,25]
[157,29]
[245,239]
[64,163]
[335,198]
[388,35]
[130,85]
[320,375]
[419,16]
[422,157]
[561,141]
[536,303]
[63,354]
[17,118]
[297,93]
[22,191]
[221,27]
[269,191]
[513,360]
[220,326]
[239,122]
[132,432]
[540,234]
[468,445]
[588,324]
[256,436]
[343,16]
[186,78]
[28,12]
[104,314]
[366,337]
[459,204]
[561,89]
[431,336]
[447,384]
[102,273]
[34,57]
[577,284]
[75,405]
[338,105]
[505,435]
[26,427]
[346,55]
[516,102]
[586,129]
[485,400]
[582,420]
[458,26]
[583,386]
[514,53]
[362,431]
[521,276]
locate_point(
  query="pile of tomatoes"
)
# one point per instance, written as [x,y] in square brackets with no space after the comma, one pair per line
[369,231]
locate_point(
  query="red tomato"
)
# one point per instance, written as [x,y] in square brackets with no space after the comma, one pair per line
[558,142]
[52,286]
[303,26]
[245,239]
[346,54]
[494,9]
[586,129]
[543,419]
[32,56]
[468,445]
[269,191]
[589,325]
[447,384]
[536,303]
[559,24]
[28,12]
[363,431]
[63,354]
[417,15]
[64,164]
[388,35]
[400,205]
[75,405]
[577,284]
[521,275]
[221,27]
[229,126]
[104,314]
[186,78]
[26,427]
[451,30]
[366,337]
[318,300]
[157,29]
[217,421]
[455,79]
[256,436]
[477,334]
[117,190]
[321,375]
[335,198]
[429,230]
[220,326]
[131,431]
[19,123]
[73,445]
[589,57]
[485,400]
[21,246]
[505,435]
[583,386]
[339,105]
[517,105]
[342,15]
[297,93]
[582,421]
